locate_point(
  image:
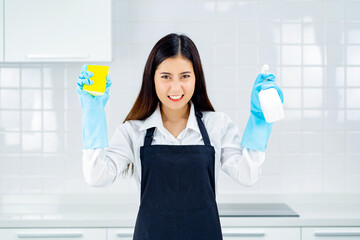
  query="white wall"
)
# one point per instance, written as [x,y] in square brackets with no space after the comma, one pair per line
[312,47]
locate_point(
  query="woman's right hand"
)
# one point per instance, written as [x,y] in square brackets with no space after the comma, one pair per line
[87,100]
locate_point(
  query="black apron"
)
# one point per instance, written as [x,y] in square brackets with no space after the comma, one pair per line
[178,191]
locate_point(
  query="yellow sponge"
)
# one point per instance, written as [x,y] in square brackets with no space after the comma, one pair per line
[99,78]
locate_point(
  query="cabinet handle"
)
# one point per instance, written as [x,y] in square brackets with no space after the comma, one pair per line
[50,235]
[338,234]
[57,56]
[119,234]
[125,232]
[244,234]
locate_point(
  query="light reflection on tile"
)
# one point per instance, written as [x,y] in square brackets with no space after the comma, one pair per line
[291,55]
[334,119]
[31,120]
[334,77]
[352,119]
[31,98]
[334,98]
[31,141]
[31,77]
[10,77]
[313,98]
[270,55]
[313,33]
[292,98]
[353,33]
[11,142]
[312,142]
[334,55]
[9,120]
[353,55]
[353,98]
[269,32]
[247,33]
[50,120]
[9,99]
[312,120]
[291,76]
[353,77]
[334,11]
[334,33]
[53,142]
[313,54]
[291,33]
[313,76]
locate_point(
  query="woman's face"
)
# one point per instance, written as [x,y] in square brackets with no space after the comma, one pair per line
[175,77]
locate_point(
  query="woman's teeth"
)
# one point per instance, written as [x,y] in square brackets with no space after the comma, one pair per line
[176,97]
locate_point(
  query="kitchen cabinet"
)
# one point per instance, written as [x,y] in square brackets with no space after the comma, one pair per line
[261,233]
[229,233]
[57,31]
[54,233]
[330,233]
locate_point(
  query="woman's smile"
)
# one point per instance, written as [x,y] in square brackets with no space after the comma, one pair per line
[176,98]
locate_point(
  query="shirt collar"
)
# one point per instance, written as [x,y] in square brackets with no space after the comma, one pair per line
[155,120]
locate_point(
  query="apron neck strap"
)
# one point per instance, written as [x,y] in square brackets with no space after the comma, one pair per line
[202,128]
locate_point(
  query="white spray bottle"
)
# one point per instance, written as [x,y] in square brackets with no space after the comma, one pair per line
[270,101]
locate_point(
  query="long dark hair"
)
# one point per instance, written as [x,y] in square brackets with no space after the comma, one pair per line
[169,46]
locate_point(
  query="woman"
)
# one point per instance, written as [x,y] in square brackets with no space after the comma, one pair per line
[175,142]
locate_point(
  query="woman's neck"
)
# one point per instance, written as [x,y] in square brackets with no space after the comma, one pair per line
[170,115]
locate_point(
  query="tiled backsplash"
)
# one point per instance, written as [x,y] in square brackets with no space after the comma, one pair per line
[312,47]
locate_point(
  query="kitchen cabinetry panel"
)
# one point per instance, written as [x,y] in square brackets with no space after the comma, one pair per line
[261,233]
[330,233]
[57,31]
[53,233]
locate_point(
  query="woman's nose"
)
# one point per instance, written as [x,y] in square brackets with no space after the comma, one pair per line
[176,84]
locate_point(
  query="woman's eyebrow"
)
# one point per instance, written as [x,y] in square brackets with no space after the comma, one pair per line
[171,74]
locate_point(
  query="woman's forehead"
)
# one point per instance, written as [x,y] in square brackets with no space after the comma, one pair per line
[175,65]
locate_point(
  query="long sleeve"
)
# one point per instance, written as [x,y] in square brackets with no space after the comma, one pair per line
[101,166]
[241,164]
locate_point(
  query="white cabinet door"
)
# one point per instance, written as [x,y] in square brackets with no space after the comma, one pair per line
[57,31]
[1,30]
[54,234]
[330,233]
[230,233]
[120,233]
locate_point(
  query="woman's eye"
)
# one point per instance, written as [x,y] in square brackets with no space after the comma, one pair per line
[166,76]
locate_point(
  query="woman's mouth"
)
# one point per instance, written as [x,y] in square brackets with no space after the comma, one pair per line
[175,98]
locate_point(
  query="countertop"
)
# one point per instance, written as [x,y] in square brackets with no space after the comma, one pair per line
[110,211]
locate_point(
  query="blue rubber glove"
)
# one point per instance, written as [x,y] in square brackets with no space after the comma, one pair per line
[257,130]
[94,130]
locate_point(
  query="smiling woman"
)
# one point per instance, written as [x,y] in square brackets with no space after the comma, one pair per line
[173,80]
[175,143]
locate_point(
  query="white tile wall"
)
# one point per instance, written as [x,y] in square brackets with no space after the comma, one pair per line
[313,48]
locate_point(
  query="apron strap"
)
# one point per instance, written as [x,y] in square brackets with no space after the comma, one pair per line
[150,131]
[149,136]
[202,127]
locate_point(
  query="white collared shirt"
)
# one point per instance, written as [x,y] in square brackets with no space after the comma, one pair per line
[102,166]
